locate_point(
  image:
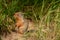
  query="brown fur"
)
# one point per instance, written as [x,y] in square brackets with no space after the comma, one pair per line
[22,24]
[19,19]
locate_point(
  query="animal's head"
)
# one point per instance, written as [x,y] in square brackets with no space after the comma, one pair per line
[18,15]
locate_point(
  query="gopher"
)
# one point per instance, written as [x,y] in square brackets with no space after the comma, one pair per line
[23,24]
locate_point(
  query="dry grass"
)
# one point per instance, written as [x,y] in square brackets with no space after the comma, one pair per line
[44,13]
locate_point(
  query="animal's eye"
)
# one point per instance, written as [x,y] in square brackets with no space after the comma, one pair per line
[17,14]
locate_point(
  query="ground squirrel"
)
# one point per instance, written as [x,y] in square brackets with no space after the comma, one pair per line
[22,24]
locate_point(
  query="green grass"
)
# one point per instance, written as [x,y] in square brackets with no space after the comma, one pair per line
[45,13]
